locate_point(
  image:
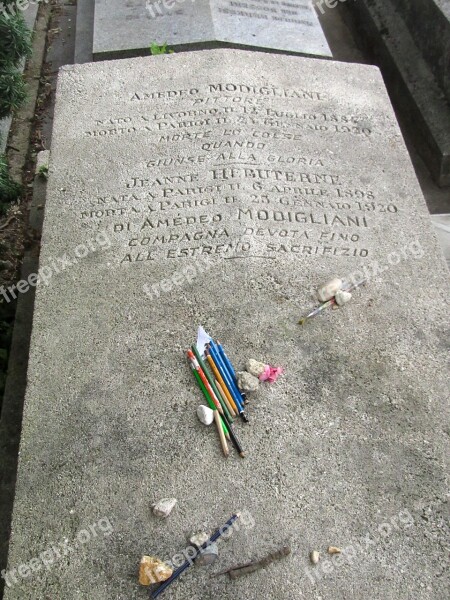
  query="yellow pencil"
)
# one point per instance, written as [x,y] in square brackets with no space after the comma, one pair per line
[225,399]
[222,382]
[223,441]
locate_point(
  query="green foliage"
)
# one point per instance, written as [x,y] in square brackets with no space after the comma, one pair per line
[12,90]
[15,44]
[9,189]
[155,49]
[43,171]
[15,40]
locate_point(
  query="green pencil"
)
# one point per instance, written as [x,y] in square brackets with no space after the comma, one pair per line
[212,406]
[212,383]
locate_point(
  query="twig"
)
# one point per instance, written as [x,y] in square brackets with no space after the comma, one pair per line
[245,569]
[7,222]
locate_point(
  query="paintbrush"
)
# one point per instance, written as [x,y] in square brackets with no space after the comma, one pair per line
[328,303]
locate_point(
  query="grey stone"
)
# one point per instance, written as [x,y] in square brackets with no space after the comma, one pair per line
[255,367]
[342,297]
[247,382]
[208,556]
[198,539]
[164,507]
[290,171]
[84,33]
[42,161]
[129,28]
[418,93]
[441,224]
[429,24]
[329,289]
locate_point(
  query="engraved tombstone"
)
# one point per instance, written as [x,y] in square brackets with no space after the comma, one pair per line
[129,28]
[219,189]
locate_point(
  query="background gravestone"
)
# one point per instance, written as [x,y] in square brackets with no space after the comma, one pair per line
[256,177]
[129,28]
[411,41]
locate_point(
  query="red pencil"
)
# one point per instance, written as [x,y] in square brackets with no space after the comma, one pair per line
[205,381]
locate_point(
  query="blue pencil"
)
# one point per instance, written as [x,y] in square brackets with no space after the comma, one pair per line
[229,369]
[227,362]
[189,562]
[226,375]
[232,388]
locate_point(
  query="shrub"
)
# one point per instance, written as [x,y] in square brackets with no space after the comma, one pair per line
[15,40]
[9,189]
[12,90]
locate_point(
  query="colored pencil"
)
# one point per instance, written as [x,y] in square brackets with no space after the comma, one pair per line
[232,388]
[236,442]
[210,379]
[208,387]
[227,362]
[221,381]
[229,432]
[233,436]
[225,399]
[211,404]
[235,391]
[198,551]
[223,441]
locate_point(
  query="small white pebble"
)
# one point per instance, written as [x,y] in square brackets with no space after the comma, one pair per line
[315,557]
[342,297]
[164,507]
[205,414]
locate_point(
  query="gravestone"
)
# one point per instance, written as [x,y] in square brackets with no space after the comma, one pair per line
[429,24]
[129,28]
[410,40]
[220,188]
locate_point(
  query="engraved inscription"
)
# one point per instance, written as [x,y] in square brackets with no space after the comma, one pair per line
[279,11]
[226,173]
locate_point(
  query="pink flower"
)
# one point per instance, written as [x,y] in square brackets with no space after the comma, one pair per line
[270,374]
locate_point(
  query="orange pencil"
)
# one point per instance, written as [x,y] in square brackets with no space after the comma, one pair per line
[222,382]
[224,398]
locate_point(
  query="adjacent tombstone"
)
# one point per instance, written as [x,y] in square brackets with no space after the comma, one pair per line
[429,24]
[221,188]
[129,28]
[411,41]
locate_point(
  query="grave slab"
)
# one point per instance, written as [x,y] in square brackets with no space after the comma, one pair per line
[416,82]
[221,188]
[125,29]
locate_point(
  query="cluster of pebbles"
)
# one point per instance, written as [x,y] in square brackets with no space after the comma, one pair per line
[333,289]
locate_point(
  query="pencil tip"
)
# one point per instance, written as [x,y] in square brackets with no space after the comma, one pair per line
[242,454]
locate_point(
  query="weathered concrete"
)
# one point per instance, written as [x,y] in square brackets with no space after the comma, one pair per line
[429,24]
[129,28]
[441,223]
[412,85]
[84,35]
[349,447]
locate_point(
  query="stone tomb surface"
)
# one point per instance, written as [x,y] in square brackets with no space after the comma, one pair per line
[129,28]
[255,177]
